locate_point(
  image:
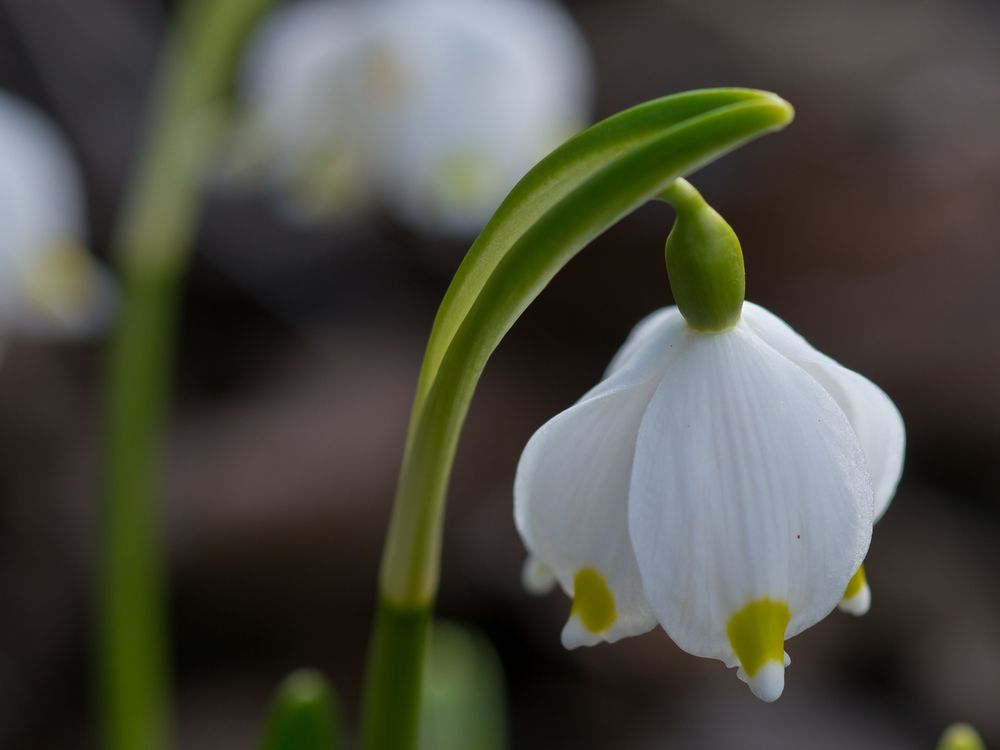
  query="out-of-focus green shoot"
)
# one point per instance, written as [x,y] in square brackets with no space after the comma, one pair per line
[960,737]
[573,195]
[464,701]
[153,241]
[304,715]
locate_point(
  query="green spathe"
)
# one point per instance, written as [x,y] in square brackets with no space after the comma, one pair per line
[704,262]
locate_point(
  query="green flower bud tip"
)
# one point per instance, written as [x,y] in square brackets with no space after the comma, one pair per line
[304,715]
[704,262]
[961,737]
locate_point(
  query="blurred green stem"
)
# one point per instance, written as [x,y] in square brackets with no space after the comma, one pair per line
[152,248]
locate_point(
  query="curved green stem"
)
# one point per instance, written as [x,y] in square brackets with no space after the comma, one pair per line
[572,196]
[153,241]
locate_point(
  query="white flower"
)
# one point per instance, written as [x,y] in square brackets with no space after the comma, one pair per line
[49,285]
[723,485]
[303,86]
[436,106]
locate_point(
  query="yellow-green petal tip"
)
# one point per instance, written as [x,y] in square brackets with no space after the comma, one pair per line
[757,637]
[593,602]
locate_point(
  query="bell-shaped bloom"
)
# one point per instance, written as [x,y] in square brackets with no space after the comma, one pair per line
[49,285]
[434,107]
[721,485]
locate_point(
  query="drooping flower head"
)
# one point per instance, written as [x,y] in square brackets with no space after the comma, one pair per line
[721,481]
[49,285]
[436,107]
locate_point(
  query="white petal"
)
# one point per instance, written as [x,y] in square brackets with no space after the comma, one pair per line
[769,682]
[537,578]
[749,486]
[305,91]
[570,497]
[40,184]
[48,284]
[488,89]
[859,604]
[638,339]
[571,502]
[874,417]
[858,596]
[297,68]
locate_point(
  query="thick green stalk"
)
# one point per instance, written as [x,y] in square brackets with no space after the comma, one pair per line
[132,648]
[572,196]
[152,246]
[395,672]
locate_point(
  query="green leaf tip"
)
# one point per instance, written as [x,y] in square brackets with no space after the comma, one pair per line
[303,715]
[961,737]
[464,697]
[704,262]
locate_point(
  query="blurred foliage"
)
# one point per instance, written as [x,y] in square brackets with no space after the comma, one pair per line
[304,715]
[464,700]
[961,737]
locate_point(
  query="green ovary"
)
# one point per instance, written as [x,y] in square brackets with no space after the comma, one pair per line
[856,583]
[757,633]
[592,601]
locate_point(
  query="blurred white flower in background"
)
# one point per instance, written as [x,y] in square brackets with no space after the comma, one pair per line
[49,284]
[304,95]
[433,107]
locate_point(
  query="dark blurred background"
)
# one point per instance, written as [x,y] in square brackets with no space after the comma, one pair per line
[871,226]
